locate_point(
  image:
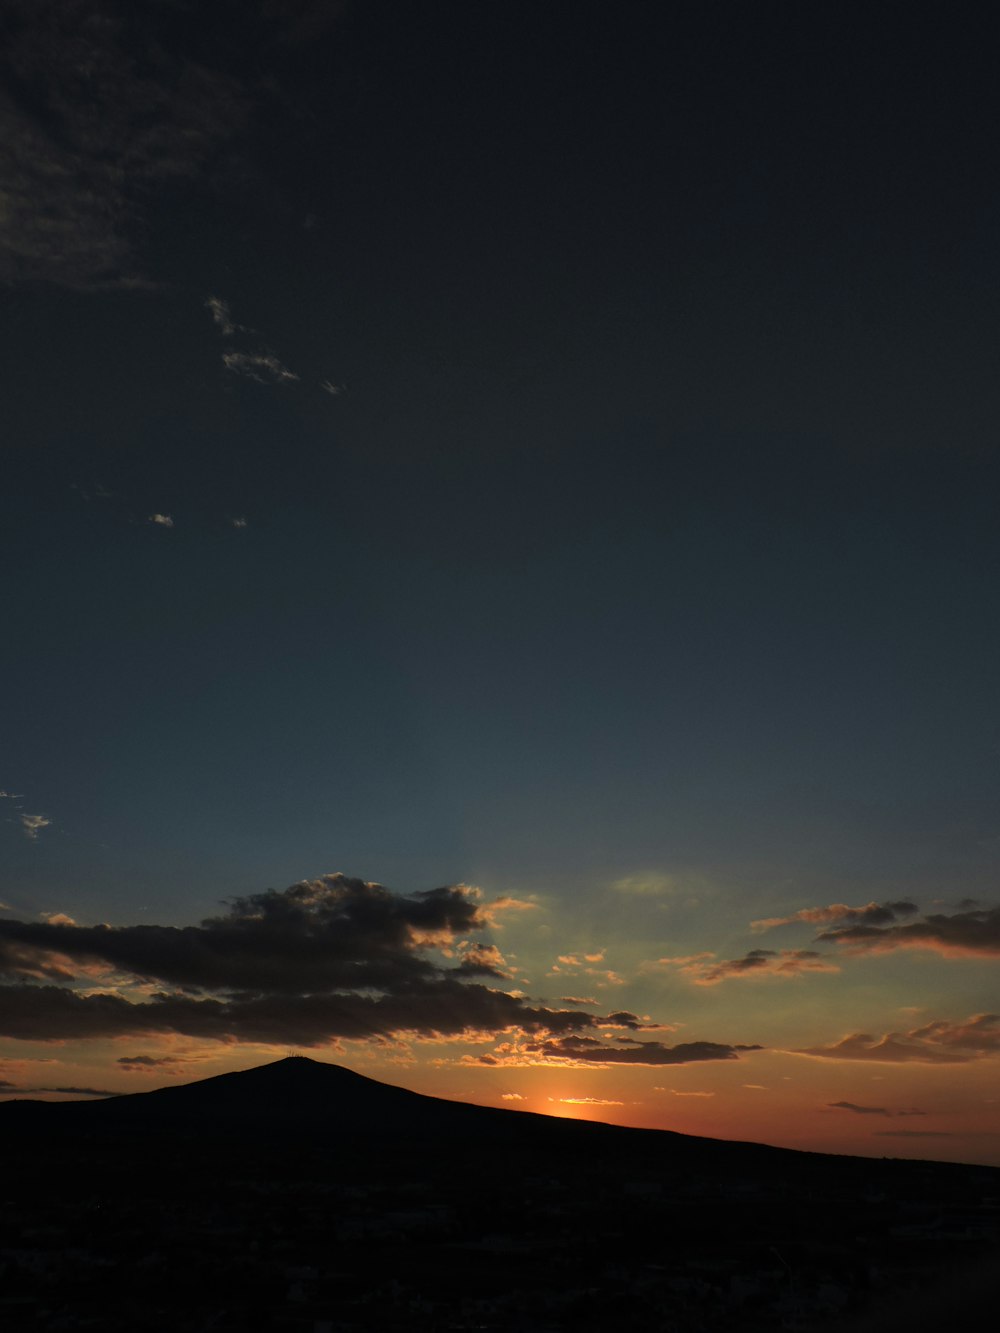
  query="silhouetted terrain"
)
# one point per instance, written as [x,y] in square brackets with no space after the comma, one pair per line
[301,1196]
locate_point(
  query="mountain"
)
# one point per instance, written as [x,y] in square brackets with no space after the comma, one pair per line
[298,1096]
[300,1195]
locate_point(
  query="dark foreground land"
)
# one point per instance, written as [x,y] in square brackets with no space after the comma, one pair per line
[305,1198]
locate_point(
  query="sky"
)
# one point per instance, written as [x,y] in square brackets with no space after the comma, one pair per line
[501,557]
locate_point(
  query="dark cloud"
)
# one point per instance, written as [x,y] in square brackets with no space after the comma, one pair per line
[704,971]
[872,914]
[575,1049]
[327,959]
[106,103]
[940,1042]
[321,935]
[78,1092]
[915,1134]
[97,114]
[858,1110]
[145,1061]
[967,934]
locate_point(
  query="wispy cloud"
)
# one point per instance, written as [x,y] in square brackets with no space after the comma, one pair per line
[161,520]
[648,885]
[758,963]
[871,914]
[263,367]
[222,316]
[940,1042]
[33,825]
[586,1101]
[91,126]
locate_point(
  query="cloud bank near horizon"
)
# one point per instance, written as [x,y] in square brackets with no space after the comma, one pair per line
[322,961]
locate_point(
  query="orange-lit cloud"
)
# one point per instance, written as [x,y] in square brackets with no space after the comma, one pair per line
[784,963]
[940,1042]
[327,959]
[871,914]
[586,1101]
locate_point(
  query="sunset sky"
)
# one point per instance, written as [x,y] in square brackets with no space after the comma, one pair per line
[500,509]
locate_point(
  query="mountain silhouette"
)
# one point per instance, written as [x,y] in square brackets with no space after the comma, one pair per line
[299,1100]
[300,1194]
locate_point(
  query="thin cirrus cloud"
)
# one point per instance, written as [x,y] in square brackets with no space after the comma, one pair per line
[328,959]
[704,970]
[939,1042]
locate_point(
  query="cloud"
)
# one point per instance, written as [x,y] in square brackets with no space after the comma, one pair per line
[326,959]
[649,885]
[872,914]
[757,963]
[106,107]
[482,960]
[260,365]
[858,1110]
[940,1042]
[967,934]
[10,795]
[77,1092]
[511,1097]
[237,522]
[132,1062]
[586,1101]
[101,112]
[577,999]
[263,367]
[161,520]
[915,1134]
[578,1051]
[33,825]
[222,316]
[335,390]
